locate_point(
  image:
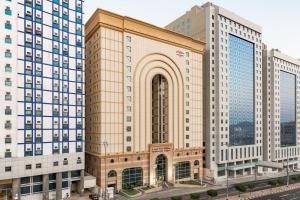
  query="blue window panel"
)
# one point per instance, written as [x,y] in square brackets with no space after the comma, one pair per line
[28,85]
[8,40]
[8,12]
[39,20]
[65,53]
[66,29]
[56,76]
[8,83]
[55,63]
[28,17]
[38,73]
[65,41]
[55,25]
[78,32]
[38,7]
[8,55]
[65,65]
[287,109]
[55,13]
[78,55]
[78,20]
[78,9]
[65,5]
[56,1]
[241,91]
[55,38]
[78,44]
[38,46]
[8,69]
[65,17]
[55,51]
[8,26]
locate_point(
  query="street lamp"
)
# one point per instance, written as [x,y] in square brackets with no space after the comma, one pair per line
[287,168]
[227,171]
[105,144]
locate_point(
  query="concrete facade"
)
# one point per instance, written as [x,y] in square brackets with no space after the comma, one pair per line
[124,56]
[274,63]
[42,118]
[216,25]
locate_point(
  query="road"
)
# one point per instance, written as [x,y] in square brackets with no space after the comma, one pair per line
[289,195]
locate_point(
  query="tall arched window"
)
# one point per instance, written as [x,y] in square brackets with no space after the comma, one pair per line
[159,109]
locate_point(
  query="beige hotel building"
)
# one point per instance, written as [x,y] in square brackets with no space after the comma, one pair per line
[144,100]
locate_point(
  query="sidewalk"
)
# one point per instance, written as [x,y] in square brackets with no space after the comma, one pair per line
[262,193]
[220,185]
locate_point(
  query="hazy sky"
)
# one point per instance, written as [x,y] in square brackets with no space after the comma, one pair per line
[280,19]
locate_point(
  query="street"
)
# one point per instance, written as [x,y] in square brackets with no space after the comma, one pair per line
[289,195]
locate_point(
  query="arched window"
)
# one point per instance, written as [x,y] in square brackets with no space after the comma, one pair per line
[159,109]
[196,163]
[112,173]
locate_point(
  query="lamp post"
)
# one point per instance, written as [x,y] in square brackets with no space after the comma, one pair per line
[227,171]
[287,168]
[105,144]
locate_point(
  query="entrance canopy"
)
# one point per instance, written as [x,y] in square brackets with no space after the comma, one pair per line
[269,164]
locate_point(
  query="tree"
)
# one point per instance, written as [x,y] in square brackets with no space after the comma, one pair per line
[280,181]
[272,183]
[176,198]
[212,193]
[195,196]
[241,188]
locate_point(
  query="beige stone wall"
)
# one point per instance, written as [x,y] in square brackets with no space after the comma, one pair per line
[104,91]
[121,60]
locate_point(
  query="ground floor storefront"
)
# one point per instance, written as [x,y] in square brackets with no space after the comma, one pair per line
[161,164]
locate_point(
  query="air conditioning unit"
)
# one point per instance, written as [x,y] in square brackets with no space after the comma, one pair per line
[28,149]
[55,147]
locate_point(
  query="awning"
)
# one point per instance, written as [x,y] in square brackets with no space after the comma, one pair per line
[269,164]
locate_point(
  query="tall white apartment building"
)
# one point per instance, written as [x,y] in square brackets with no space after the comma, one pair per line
[281,108]
[42,99]
[232,88]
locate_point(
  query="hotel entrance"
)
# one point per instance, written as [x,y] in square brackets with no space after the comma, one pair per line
[161,168]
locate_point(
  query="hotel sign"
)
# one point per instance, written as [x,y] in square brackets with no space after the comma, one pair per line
[161,149]
[179,53]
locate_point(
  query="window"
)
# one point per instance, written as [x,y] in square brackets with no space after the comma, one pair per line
[112,173]
[183,170]
[241,82]
[7,169]
[38,166]
[132,177]
[27,166]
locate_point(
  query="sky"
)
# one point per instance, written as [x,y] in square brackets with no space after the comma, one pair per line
[280,19]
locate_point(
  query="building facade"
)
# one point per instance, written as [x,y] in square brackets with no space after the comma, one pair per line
[281,88]
[232,88]
[143,103]
[43,99]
